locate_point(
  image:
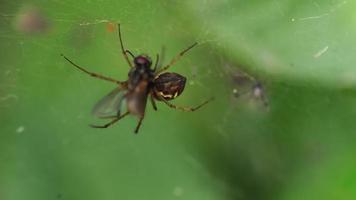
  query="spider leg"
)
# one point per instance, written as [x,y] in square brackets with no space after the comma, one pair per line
[175,59]
[111,122]
[93,74]
[124,52]
[185,108]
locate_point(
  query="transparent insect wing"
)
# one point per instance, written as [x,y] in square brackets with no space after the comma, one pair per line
[110,105]
[161,57]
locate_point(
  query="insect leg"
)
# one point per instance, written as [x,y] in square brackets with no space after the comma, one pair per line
[153,102]
[112,122]
[91,73]
[139,124]
[131,54]
[124,52]
[175,59]
[184,108]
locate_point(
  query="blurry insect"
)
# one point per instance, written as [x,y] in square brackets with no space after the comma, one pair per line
[31,21]
[248,85]
[143,82]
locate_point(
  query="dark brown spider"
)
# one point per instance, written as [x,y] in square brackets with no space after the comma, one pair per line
[142,82]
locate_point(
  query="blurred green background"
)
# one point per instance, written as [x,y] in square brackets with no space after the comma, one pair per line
[302,146]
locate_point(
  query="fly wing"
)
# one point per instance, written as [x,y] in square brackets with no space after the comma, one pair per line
[110,105]
[162,57]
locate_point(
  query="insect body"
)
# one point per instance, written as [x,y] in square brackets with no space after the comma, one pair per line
[140,80]
[143,82]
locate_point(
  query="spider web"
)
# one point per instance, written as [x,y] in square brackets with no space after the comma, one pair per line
[237,147]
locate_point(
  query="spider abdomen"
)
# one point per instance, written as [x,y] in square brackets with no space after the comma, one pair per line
[168,85]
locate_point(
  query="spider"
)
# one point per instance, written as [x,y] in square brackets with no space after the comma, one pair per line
[143,82]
